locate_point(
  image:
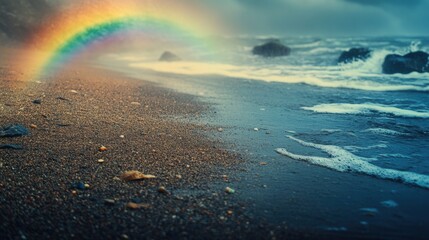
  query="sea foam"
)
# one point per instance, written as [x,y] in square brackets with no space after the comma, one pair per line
[365,109]
[343,161]
[325,76]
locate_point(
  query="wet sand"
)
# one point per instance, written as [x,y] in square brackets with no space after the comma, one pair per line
[144,128]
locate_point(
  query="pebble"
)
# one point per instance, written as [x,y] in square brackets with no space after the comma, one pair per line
[100,161]
[178,176]
[109,201]
[33,126]
[135,175]
[37,101]
[73,91]
[78,185]
[102,149]
[229,190]
[86,185]
[256,129]
[263,163]
[163,190]
[132,205]
[122,136]
[229,212]
[13,131]
[220,129]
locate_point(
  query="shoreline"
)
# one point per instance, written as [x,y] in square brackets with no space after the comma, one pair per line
[83,109]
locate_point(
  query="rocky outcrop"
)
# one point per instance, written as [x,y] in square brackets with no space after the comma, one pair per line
[411,62]
[271,49]
[354,54]
[169,57]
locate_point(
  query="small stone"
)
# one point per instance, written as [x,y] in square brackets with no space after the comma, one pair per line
[73,91]
[134,206]
[37,101]
[256,129]
[33,126]
[100,160]
[78,185]
[263,163]
[109,201]
[229,212]
[124,237]
[229,190]
[163,190]
[102,149]
[122,136]
[74,192]
[220,129]
[135,175]
[116,179]
[13,131]
[178,176]
[86,185]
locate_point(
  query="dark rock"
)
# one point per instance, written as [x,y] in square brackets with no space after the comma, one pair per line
[37,101]
[13,131]
[78,185]
[354,54]
[169,57]
[271,49]
[11,146]
[411,62]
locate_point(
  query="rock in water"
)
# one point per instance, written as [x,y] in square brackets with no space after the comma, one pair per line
[169,57]
[411,62]
[354,54]
[271,49]
[13,131]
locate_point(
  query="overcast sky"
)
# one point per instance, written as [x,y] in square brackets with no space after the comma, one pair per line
[327,17]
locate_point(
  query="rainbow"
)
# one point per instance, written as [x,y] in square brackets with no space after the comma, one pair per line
[74,30]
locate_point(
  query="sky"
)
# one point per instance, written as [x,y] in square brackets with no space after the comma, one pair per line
[326,17]
[268,17]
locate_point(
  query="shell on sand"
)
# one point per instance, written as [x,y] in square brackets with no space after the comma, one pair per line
[135,175]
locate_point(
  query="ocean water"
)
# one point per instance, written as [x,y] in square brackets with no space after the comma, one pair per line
[342,142]
[392,110]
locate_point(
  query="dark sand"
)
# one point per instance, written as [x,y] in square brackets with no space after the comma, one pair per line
[82,109]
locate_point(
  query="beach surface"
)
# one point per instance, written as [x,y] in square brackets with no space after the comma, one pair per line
[87,128]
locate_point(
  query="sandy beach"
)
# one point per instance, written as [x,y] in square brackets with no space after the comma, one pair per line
[61,185]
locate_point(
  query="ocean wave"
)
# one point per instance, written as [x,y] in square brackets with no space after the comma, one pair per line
[328,77]
[366,109]
[343,161]
[385,131]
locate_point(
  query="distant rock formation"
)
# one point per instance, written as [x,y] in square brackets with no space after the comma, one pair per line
[354,54]
[411,62]
[271,49]
[169,57]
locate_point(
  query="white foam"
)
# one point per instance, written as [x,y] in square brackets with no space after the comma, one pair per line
[344,161]
[389,204]
[329,77]
[365,108]
[357,148]
[384,131]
